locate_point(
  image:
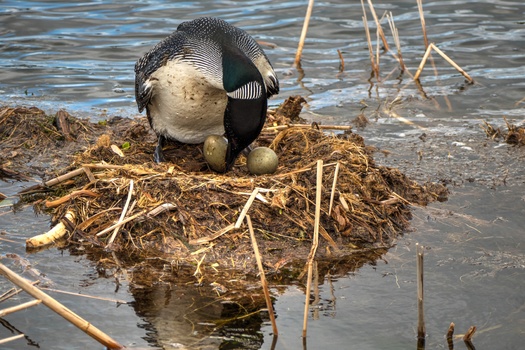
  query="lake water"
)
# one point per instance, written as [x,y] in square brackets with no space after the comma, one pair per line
[80,56]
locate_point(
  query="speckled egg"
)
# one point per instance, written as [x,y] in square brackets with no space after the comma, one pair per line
[215,152]
[262,160]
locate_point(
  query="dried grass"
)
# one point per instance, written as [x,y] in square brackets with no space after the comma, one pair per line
[182,201]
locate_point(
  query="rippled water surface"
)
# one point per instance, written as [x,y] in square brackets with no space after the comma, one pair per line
[80,56]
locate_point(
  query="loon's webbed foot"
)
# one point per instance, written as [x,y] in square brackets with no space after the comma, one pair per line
[159,155]
[247,150]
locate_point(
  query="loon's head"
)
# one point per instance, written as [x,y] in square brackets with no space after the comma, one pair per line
[243,121]
[245,112]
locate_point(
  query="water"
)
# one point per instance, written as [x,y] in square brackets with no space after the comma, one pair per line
[80,56]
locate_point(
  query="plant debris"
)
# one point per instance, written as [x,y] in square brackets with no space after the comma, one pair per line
[515,135]
[182,211]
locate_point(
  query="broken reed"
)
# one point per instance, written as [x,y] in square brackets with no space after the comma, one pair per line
[60,309]
[264,283]
[374,60]
[297,61]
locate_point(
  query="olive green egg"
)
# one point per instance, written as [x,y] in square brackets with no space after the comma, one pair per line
[262,160]
[215,152]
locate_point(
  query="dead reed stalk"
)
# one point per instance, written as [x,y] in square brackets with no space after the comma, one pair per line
[14,337]
[315,241]
[422,17]
[395,35]
[23,306]
[375,66]
[264,283]
[122,214]
[60,309]
[431,47]
[299,52]
[452,63]
[380,32]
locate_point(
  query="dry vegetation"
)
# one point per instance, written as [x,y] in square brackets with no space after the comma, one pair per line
[181,210]
[515,135]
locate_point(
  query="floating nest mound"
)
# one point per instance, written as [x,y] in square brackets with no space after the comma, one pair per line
[181,210]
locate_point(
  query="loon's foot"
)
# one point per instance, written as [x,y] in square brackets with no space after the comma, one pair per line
[159,155]
[247,150]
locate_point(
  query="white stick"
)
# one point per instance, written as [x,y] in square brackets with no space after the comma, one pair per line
[123,214]
[247,207]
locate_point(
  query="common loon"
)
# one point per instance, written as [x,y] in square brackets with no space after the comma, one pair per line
[208,77]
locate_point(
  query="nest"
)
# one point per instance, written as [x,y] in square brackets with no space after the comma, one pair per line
[175,209]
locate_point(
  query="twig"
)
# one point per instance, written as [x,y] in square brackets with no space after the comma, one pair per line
[332,194]
[125,221]
[14,337]
[380,32]
[122,214]
[60,309]
[422,64]
[395,35]
[422,17]
[198,268]
[23,306]
[64,177]
[452,63]
[263,277]
[89,174]
[370,49]
[204,240]
[308,126]
[246,207]
[161,209]
[156,211]
[116,301]
[315,241]
[297,61]
[74,194]
[302,170]
[448,59]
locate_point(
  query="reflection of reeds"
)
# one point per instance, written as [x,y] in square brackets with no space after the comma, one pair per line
[421,329]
